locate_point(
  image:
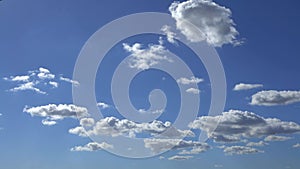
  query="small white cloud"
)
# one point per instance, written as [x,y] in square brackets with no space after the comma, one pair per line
[276,138]
[243,86]
[180,158]
[54,84]
[93,146]
[193,90]
[218,166]
[187,81]
[158,111]
[204,20]
[43,70]
[168,32]
[48,122]
[87,122]
[273,98]
[145,58]
[161,157]
[45,74]
[103,105]
[73,82]
[23,78]
[296,145]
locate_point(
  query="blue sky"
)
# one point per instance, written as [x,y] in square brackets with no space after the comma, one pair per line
[39,46]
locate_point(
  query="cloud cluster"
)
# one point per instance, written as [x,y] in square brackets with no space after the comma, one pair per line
[93,146]
[204,20]
[144,58]
[112,126]
[53,113]
[243,86]
[168,32]
[273,98]
[236,125]
[37,81]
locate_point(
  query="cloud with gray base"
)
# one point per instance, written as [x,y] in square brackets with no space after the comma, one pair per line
[93,146]
[180,158]
[273,98]
[52,112]
[204,20]
[277,138]
[244,86]
[237,125]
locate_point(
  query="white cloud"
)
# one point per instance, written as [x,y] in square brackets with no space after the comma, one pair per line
[214,22]
[93,146]
[193,90]
[158,111]
[27,86]
[44,70]
[145,58]
[52,112]
[243,86]
[218,166]
[23,78]
[257,144]
[48,122]
[159,145]
[240,150]
[87,122]
[177,157]
[296,145]
[277,138]
[236,125]
[273,97]
[54,84]
[103,105]
[73,82]
[168,32]
[187,81]
[80,131]
[115,127]
[196,150]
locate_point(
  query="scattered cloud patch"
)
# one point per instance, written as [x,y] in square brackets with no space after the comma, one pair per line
[257,144]
[93,146]
[28,86]
[53,84]
[168,32]
[277,138]
[273,98]
[73,82]
[296,145]
[103,105]
[241,150]
[204,20]
[243,86]
[53,113]
[144,58]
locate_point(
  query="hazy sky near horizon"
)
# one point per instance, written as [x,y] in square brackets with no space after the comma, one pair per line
[257,42]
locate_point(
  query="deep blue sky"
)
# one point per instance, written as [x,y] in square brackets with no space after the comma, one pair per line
[51,34]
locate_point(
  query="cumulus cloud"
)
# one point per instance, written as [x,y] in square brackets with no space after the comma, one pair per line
[273,98]
[177,157]
[236,125]
[277,138]
[144,58]
[243,86]
[296,145]
[79,130]
[45,74]
[52,112]
[168,32]
[114,127]
[103,105]
[73,82]
[257,144]
[204,20]
[240,150]
[193,90]
[54,84]
[159,145]
[93,146]
[187,81]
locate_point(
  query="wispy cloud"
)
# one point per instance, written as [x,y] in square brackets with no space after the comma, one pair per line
[93,146]
[240,150]
[180,158]
[187,81]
